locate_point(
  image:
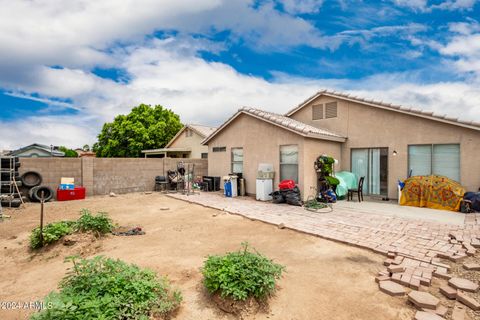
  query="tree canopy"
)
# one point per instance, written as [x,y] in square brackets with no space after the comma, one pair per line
[145,127]
[69,153]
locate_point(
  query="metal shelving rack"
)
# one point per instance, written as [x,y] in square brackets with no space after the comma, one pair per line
[10,182]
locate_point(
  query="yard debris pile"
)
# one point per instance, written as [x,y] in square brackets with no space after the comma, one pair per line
[441,289]
[125,231]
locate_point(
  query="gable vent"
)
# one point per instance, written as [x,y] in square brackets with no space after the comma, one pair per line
[317,112]
[331,110]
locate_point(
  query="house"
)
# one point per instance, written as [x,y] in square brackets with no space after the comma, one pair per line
[85,154]
[37,150]
[380,141]
[187,143]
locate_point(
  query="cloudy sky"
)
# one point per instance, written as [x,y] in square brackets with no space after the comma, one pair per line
[66,67]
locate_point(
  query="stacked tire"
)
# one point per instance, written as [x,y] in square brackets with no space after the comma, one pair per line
[7,188]
[32,180]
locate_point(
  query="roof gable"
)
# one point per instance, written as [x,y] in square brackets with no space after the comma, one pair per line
[283,122]
[41,147]
[387,106]
[201,130]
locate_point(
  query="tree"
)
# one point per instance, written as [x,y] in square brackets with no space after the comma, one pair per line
[145,127]
[69,153]
[86,148]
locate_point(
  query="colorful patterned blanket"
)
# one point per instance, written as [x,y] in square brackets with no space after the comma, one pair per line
[436,192]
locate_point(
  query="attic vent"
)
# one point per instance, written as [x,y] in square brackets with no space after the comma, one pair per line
[330,110]
[317,112]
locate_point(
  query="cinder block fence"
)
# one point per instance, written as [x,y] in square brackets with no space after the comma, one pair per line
[104,175]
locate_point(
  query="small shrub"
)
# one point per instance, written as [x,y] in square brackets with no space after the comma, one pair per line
[104,288]
[51,233]
[242,274]
[100,223]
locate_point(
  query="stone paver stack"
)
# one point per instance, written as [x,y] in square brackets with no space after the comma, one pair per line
[414,248]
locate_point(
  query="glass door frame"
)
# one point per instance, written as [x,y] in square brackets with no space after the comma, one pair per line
[385,194]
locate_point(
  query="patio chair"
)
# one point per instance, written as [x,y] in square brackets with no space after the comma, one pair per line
[359,191]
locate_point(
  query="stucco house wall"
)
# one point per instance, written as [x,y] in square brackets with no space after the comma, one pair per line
[194,142]
[370,127]
[261,143]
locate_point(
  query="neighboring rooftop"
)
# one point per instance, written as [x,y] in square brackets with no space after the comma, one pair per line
[48,149]
[389,106]
[283,122]
[205,131]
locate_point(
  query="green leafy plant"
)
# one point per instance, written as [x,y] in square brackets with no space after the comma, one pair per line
[99,223]
[51,233]
[241,274]
[104,288]
[332,181]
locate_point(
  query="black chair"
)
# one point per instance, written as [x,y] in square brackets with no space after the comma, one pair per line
[359,191]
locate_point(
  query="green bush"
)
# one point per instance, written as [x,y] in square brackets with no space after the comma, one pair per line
[51,233]
[100,223]
[240,275]
[104,288]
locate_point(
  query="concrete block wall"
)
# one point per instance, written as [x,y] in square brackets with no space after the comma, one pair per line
[52,169]
[101,176]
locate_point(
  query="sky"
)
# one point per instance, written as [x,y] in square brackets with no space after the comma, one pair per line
[67,67]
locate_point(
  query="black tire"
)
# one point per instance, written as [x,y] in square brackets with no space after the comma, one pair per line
[6,176]
[6,184]
[31,194]
[48,193]
[15,203]
[31,179]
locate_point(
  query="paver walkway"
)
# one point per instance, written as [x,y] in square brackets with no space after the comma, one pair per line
[416,245]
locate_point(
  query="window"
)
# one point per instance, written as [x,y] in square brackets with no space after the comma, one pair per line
[289,163]
[204,155]
[439,159]
[317,112]
[219,149]
[237,160]
[330,110]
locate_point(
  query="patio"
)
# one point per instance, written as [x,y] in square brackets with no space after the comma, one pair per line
[418,237]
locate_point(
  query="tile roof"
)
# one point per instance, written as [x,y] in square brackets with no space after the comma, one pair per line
[283,122]
[389,106]
[205,131]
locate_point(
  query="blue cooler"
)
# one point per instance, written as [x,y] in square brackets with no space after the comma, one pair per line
[227,188]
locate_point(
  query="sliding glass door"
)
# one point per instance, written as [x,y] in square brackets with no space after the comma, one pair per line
[371,163]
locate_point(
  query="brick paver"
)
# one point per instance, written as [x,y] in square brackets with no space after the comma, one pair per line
[414,247]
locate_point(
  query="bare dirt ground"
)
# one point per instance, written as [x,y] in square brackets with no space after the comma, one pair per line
[324,279]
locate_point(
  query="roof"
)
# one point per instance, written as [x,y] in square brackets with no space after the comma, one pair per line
[201,130]
[388,106]
[282,122]
[162,150]
[48,149]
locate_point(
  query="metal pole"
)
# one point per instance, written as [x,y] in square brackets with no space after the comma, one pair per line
[42,201]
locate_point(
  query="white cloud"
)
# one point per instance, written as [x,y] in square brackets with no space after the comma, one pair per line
[83,34]
[301,6]
[423,5]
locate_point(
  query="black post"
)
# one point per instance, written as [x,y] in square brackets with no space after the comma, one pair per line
[42,201]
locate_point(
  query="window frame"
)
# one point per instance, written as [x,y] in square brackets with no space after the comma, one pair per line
[280,163]
[233,162]
[219,149]
[431,145]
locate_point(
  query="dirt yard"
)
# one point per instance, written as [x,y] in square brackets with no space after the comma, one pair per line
[324,279]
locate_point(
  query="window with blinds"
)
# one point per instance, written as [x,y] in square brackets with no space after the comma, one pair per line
[317,112]
[289,163]
[330,110]
[439,159]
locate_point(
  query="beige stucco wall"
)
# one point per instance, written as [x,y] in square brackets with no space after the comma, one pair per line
[261,143]
[370,127]
[193,142]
